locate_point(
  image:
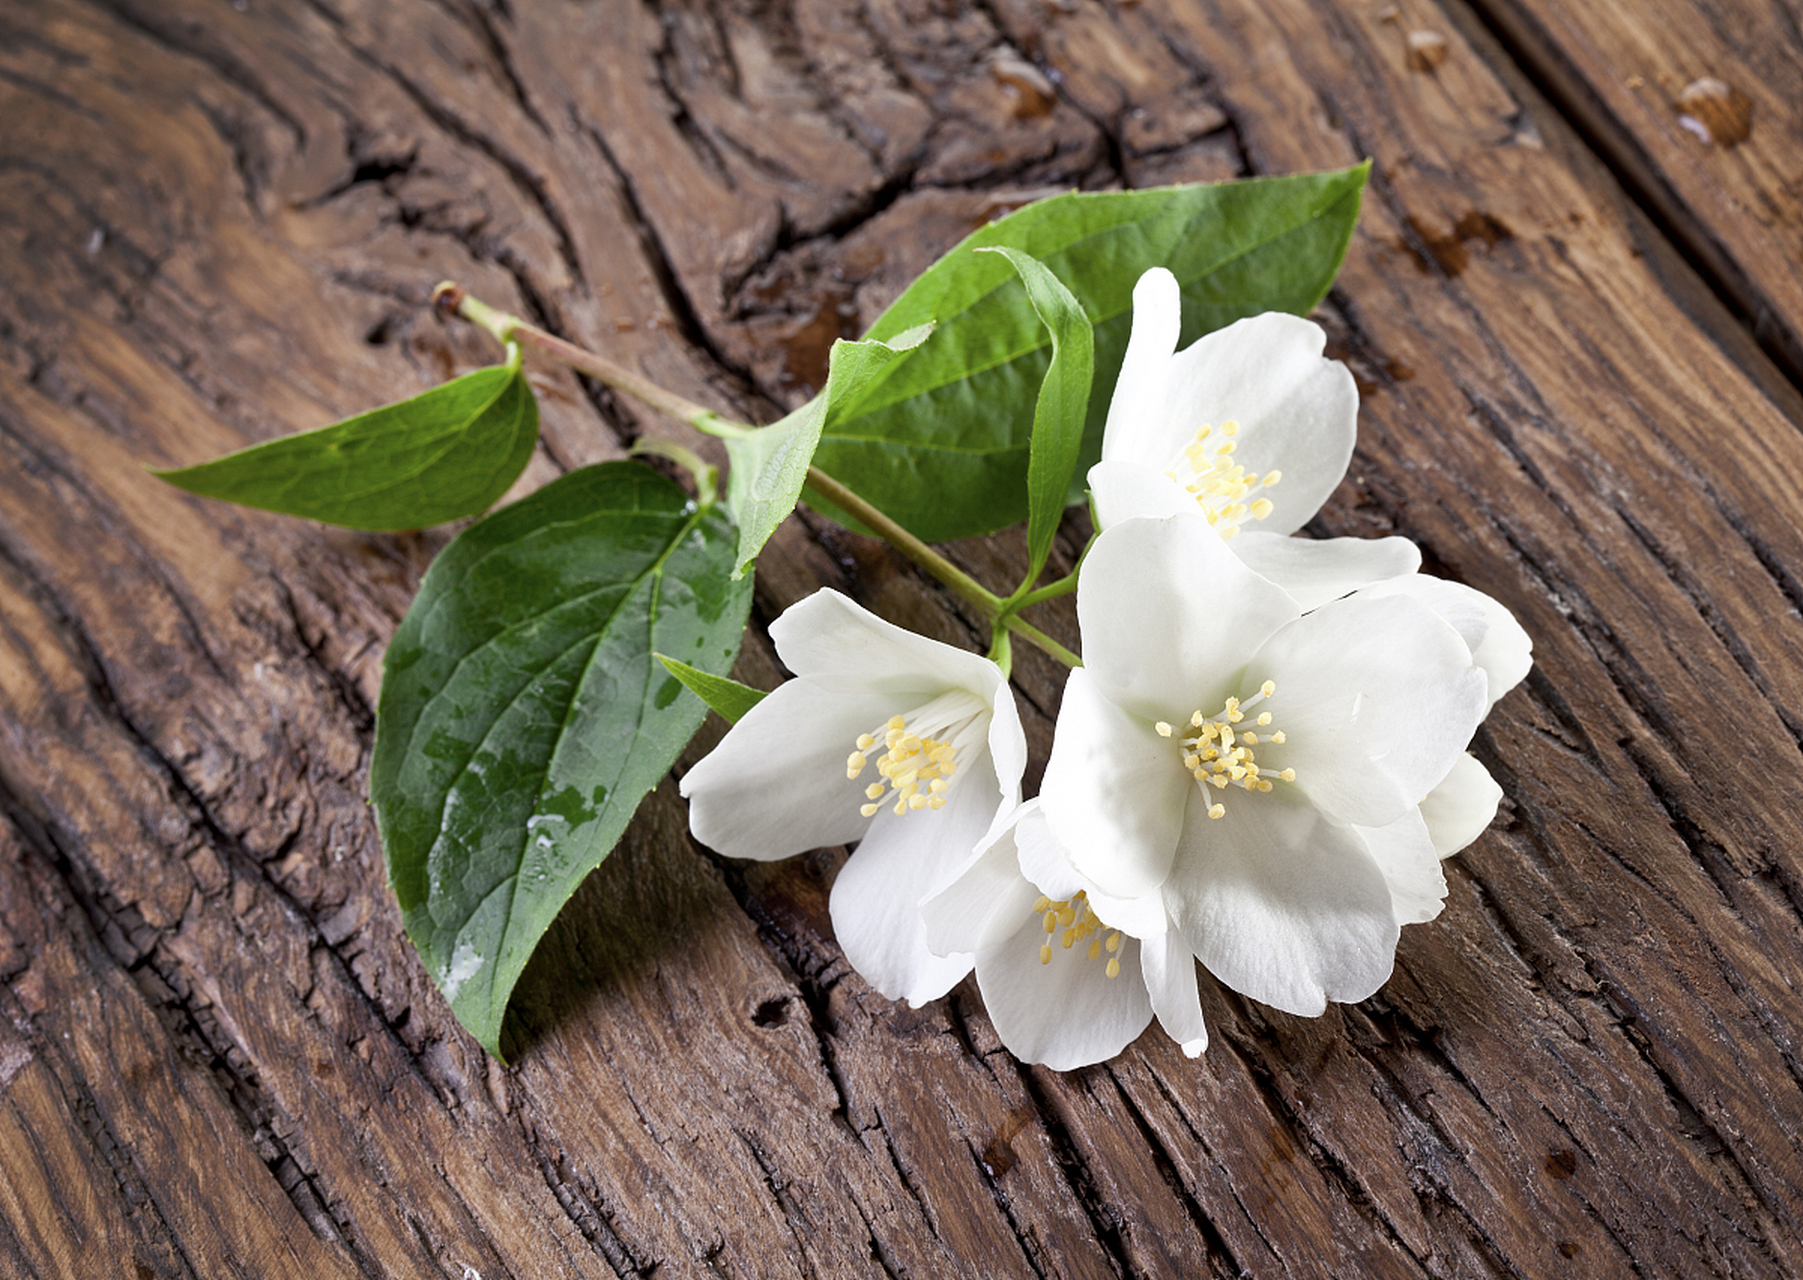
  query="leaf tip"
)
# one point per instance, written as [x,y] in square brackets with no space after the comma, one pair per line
[181,477]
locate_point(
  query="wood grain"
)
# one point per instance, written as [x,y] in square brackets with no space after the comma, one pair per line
[220,1057]
[1697,108]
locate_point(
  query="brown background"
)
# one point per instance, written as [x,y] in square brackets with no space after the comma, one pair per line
[1575,324]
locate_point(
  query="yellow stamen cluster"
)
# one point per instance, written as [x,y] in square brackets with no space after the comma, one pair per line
[1078,924]
[1221,756]
[1220,485]
[918,769]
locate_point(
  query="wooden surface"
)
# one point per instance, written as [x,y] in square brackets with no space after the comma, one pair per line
[1574,323]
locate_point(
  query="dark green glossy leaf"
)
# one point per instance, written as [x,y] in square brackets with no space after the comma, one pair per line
[1062,408]
[443,455]
[523,717]
[725,695]
[939,439]
[770,464]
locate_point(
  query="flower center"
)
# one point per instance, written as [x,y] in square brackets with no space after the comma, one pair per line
[1220,486]
[919,752]
[1079,924]
[1221,756]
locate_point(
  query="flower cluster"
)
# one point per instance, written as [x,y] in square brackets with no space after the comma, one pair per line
[1259,765]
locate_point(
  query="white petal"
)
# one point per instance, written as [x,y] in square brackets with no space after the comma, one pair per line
[1041,859]
[1171,984]
[1496,640]
[841,646]
[1007,747]
[1065,1014]
[1506,654]
[1377,699]
[1405,853]
[1113,792]
[1132,490]
[776,784]
[1298,412]
[1458,810]
[1044,862]
[1169,615]
[1281,904]
[875,903]
[1136,428]
[1316,572]
[984,905]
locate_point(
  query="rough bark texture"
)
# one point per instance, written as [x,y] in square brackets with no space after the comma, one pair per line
[1574,325]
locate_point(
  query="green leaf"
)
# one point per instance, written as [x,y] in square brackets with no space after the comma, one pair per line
[523,717]
[939,440]
[1062,408]
[440,456]
[727,696]
[770,465]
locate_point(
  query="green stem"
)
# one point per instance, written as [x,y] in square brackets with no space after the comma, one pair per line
[1001,651]
[1000,614]
[453,300]
[919,552]
[1051,591]
[1040,640]
[707,476]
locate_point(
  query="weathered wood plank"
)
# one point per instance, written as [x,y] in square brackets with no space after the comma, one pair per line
[106,1109]
[318,924]
[1580,409]
[1588,1062]
[1697,105]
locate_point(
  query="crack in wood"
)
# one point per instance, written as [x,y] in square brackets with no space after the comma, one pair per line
[787,1208]
[189,43]
[185,1015]
[1538,58]
[1693,1124]
[119,932]
[1302,1138]
[813,978]
[903,1174]
[484,27]
[879,1252]
[1221,1257]
[585,1210]
[1068,1156]
[663,267]
[529,184]
[1680,575]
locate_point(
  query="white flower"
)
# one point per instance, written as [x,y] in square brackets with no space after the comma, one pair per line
[1250,425]
[1070,976]
[1496,641]
[1458,809]
[1267,772]
[908,746]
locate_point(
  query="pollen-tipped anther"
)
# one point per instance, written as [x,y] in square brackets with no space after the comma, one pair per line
[1220,756]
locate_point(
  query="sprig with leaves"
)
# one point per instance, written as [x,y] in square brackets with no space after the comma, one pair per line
[535,691]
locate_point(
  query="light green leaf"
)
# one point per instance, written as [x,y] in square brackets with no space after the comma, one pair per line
[725,695]
[523,717]
[1062,408]
[448,453]
[939,439]
[770,465]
